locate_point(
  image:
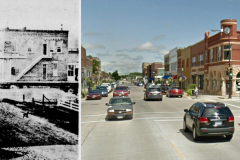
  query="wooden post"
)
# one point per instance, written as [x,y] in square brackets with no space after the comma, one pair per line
[23,97]
[43,103]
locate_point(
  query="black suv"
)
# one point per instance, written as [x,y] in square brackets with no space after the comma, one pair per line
[209,119]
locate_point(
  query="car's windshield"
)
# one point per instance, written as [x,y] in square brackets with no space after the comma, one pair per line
[120,101]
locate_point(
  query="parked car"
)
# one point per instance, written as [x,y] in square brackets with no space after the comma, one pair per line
[209,119]
[114,85]
[174,91]
[108,85]
[164,88]
[153,93]
[120,91]
[120,107]
[103,90]
[140,84]
[94,94]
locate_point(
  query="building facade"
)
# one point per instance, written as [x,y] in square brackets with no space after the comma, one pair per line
[36,55]
[184,66]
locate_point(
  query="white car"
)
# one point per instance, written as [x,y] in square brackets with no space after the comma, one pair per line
[108,85]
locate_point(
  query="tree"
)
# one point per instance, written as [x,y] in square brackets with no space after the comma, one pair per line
[96,65]
[115,75]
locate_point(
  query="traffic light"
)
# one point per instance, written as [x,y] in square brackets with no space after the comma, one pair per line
[230,71]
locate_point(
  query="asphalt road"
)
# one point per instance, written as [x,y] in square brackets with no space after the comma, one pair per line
[155,132]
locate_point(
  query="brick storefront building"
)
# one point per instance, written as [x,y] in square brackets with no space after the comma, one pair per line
[36,55]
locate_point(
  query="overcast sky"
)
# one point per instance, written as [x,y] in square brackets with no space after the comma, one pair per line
[125,33]
[42,15]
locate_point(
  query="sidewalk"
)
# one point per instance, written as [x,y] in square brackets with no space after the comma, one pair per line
[210,96]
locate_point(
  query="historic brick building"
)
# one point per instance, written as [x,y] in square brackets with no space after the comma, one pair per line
[36,55]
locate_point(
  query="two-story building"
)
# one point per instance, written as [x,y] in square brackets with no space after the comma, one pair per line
[37,56]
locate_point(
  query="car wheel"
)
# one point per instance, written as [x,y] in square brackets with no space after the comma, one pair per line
[229,137]
[160,99]
[185,129]
[195,136]
[166,95]
[181,96]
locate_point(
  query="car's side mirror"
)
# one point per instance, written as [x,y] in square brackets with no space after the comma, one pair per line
[186,110]
[133,103]
[106,104]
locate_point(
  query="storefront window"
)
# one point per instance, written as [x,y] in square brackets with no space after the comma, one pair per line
[238,85]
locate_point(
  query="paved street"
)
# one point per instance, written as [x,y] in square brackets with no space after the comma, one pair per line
[155,132]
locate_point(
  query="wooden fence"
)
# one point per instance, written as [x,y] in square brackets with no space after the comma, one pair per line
[69,105]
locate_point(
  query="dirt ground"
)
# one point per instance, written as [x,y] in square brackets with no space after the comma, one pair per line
[33,137]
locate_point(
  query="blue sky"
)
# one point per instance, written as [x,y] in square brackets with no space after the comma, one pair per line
[125,33]
[42,15]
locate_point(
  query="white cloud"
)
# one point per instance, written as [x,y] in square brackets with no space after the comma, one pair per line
[163,52]
[148,46]
[92,46]
[91,34]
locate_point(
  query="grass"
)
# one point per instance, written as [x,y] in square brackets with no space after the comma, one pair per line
[17,131]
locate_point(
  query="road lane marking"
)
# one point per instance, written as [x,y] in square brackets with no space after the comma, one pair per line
[232,105]
[178,152]
[133,113]
[168,120]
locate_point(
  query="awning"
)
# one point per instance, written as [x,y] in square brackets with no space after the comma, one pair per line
[166,76]
[174,76]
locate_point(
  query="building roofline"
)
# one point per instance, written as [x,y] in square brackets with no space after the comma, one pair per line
[28,30]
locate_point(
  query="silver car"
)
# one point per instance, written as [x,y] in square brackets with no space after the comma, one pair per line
[119,108]
[153,93]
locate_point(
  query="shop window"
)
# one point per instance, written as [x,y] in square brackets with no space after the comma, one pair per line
[219,53]
[227,50]
[238,85]
[211,55]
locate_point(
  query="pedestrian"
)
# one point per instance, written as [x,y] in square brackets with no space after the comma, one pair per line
[196,91]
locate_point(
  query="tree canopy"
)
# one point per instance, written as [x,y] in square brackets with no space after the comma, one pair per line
[115,75]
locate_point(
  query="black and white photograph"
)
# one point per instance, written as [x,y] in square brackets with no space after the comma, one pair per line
[39,65]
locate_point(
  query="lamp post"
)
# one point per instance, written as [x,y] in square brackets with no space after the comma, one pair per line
[182,75]
[227,31]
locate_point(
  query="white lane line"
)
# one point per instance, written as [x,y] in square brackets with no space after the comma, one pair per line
[168,120]
[158,117]
[232,105]
[94,121]
[133,113]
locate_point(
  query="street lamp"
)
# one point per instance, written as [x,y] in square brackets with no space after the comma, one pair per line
[182,75]
[227,31]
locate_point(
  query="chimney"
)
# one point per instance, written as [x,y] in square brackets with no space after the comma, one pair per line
[61,26]
[24,28]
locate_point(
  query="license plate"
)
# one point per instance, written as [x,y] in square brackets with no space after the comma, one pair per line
[218,122]
[176,90]
[93,96]
[154,94]
[119,117]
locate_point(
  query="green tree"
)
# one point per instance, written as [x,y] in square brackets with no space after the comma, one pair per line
[115,75]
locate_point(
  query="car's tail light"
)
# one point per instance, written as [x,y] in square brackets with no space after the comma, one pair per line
[203,120]
[160,93]
[114,93]
[231,119]
[148,93]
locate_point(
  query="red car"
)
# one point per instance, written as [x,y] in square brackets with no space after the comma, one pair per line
[120,91]
[174,91]
[94,94]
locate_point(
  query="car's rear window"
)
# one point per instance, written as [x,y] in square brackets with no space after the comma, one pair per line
[120,101]
[154,89]
[121,88]
[176,88]
[94,91]
[216,111]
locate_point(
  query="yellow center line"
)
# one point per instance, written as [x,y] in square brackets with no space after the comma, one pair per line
[179,153]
